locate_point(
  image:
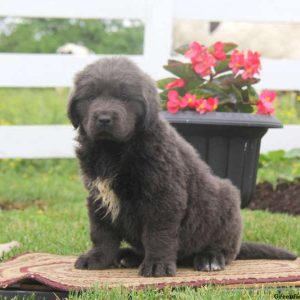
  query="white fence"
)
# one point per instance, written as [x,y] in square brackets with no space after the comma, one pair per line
[49,70]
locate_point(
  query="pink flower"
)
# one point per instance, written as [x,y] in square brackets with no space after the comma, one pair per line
[265,107]
[194,51]
[265,102]
[190,100]
[267,95]
[172,107]
[174,102]
[201,59]
[237,59]
[208,105]
[218,52]
[251,65]
[174,84]
[172,96]
[204,64]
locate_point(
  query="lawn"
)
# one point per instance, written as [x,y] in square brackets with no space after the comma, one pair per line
[48,106]
[42,204]
[43,208]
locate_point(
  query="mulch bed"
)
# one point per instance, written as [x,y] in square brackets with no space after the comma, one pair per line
[284,198]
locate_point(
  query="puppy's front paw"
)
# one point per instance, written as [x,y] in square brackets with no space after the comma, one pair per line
[92,261]
[157,269]
[209,261]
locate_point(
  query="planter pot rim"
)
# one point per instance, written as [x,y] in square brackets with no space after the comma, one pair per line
[223,118]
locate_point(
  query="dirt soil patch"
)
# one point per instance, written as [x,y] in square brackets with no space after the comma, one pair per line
[7,205]
[284,198]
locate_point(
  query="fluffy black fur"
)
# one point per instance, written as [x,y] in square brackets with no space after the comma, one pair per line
[146,184]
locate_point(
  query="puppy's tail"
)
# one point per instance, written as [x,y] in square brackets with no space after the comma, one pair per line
[263,251]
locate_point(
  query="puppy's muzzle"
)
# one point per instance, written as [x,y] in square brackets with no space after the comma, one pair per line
[104,120]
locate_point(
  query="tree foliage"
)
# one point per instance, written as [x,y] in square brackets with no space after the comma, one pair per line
[46,35]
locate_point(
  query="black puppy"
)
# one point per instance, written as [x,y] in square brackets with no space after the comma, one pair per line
[146,184]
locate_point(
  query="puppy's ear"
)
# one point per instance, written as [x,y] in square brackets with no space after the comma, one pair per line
[152,104]
[72,110]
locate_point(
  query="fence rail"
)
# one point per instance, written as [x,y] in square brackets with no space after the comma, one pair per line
[54,70]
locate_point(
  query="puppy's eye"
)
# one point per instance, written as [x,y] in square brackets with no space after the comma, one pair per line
[124,97]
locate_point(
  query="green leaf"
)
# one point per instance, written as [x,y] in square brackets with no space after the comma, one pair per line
[229,47]
[239,82]
[163,82]
[182,70]
[293,153]
[237,93]
[252,94]
[182,49]
[222,66]
[276,156]
[199,93]
[214,90]
[193,84]
[164,95]
[245,108]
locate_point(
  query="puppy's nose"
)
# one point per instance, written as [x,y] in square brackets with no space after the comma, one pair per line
[104,120]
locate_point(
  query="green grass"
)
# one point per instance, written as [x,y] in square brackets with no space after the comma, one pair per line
[33,106]
[54,219]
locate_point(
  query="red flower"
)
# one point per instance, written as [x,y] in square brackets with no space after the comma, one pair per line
[218,52]
[267,95]
[201,59]
[190,100]
[174,84]
[174,102]
[208,105]
[204,64]
[237,59]
[265,103]
[251,65]
[265,107]
[194,51]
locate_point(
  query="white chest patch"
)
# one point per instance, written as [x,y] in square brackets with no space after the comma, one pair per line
[107,197]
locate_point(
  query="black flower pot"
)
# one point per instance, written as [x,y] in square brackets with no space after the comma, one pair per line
[228,142]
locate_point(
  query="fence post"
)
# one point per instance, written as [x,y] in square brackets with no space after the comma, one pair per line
[158,34]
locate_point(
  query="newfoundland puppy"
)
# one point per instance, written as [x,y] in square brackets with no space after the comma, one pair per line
[148,186]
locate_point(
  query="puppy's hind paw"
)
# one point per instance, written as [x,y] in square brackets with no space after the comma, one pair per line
[128,258]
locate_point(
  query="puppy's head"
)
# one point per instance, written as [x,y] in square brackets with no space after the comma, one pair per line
[112,99]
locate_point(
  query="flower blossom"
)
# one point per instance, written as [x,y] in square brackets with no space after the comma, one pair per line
[174,102]
[265,108]
[201,59]
[207,105]
[267,95]
[195,49]
[218,51]
[265,103]
[174,84]
[190,100]
[251,65]
[237,59]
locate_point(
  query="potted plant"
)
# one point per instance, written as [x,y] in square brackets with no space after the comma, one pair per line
[211,102]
